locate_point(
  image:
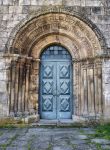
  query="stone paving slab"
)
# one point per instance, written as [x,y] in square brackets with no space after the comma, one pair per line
[50,139]
[101,141]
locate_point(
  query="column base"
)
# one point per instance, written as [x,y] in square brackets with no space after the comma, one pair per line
[32,119]
[78,119]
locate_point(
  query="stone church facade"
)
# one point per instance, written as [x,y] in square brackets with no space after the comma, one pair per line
[55,59]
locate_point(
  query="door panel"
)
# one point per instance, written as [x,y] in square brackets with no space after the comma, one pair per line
[48,90]
[64,90]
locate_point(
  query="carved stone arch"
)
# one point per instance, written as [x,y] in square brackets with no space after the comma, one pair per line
[60,39]
[51,10]
[84,42]
[57,24]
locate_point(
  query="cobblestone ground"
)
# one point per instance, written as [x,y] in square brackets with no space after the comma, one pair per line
[51,139]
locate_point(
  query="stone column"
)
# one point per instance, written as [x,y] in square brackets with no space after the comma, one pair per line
[98,88]
[27,73]
[84,89]
[90,75]
[21,80]
[75,91]
[34,90]
[85,109]
[12,83]
[106,88]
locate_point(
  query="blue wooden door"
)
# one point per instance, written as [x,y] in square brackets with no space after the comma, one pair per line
[56,84]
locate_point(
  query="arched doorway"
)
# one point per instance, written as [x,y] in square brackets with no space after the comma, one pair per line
[85,46]
[56,83]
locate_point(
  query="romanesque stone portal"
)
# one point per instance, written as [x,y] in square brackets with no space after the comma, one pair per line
[83,45]
[62,27]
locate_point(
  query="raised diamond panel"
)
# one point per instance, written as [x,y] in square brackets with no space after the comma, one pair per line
[64,71]
[47,87]
[47,71]
[64,87]
[65,104]
[47,104]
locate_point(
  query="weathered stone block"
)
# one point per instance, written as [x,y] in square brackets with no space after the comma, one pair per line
[34,2]
[3,76]
[7,2]
[33,9]
[1,1]
[2,64]
[8,17]
[32,119]
[92,2]
[3,98]
[12,24]
[24,2]
[51,2]
[4,9]
[3,40]
[2,48]
[15,9]
[25,9]
[3,86]
[96,10]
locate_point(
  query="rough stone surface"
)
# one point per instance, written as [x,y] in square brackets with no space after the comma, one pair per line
[101,141]
[43,139]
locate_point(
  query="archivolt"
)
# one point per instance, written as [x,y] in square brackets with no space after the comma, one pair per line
[57,21]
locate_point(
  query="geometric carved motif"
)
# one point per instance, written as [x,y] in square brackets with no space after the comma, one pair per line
[65,104]
[64,71]
[47,87]
[47,104]
[48,71]
[65,87]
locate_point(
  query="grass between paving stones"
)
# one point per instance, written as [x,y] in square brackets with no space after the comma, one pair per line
[102,131]
[49,147]
[9,142]
[1,133]
[28,146]
[97,145]
[73,146]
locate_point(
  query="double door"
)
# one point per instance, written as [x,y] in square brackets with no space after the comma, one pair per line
[56,90]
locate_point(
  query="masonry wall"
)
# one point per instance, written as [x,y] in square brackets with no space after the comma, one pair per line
[13,11]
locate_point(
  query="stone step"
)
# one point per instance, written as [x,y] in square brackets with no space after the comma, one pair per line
[57,123]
